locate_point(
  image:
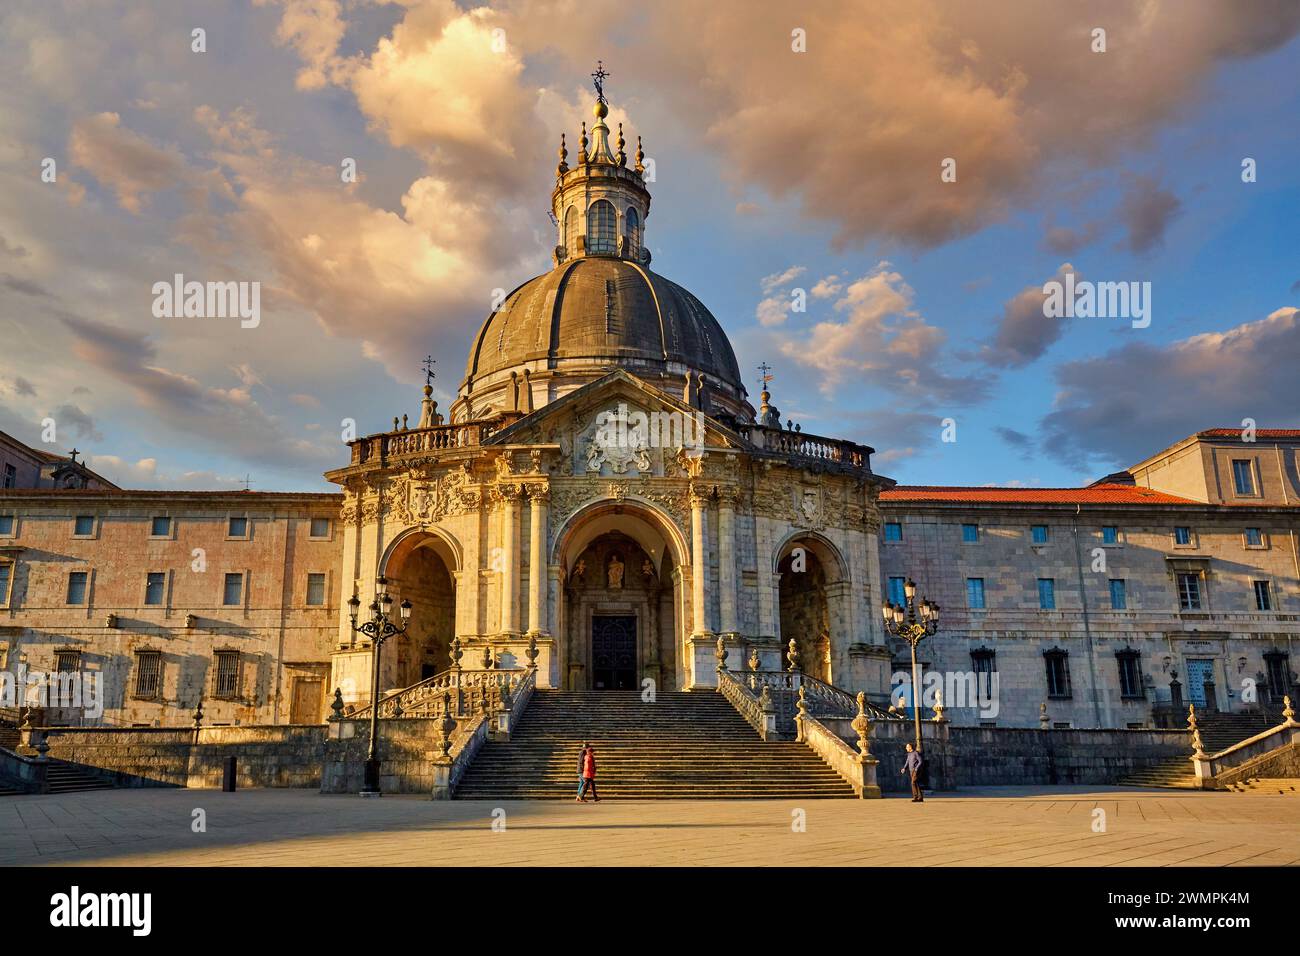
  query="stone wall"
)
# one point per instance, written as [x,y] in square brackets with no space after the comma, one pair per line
[409,746]
[284,756]
[1006,756]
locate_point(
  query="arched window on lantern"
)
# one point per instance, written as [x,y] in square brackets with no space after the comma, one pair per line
[602,227]
[571,231]
[633,232]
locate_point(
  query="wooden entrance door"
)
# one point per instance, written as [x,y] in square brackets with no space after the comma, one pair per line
[304,707]
[613,652]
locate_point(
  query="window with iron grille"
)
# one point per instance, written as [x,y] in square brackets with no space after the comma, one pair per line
[226,683]
[1189,592]
[1263,596]
[148,670]
[984,662]
[67,661]
[77,587]
[1057,664]
[1130,674]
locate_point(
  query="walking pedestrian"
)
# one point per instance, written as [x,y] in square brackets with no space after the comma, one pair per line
[912,767]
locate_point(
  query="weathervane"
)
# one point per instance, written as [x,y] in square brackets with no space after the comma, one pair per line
[764,372]
[599,79]
[428,364]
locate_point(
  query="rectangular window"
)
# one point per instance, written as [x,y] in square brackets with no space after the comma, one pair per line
[896,593]
[67,662]
[1058,674]
[11,476]
[84,526]
[1130,675]
[1263,596]
[6,579]
[234,590]
[1189,592]
[320,527]
[893,531]
[970,532]
[148,670]
[984,662]
[1254,538]
[1243,476]
[1278,669]
[238,528]
[316,588]
[226,680]
[77,587]
[1047,594]
[6,525]
[161,527]
[1039,533]
[1118,594]
[1182,535]
[155,586]
[975,592]
[1109,534]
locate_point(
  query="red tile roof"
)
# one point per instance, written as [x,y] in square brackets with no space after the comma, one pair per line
[1104,494]
[1265,433]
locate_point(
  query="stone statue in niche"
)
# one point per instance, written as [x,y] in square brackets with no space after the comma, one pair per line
[647,570]
[580,572]
[615,571]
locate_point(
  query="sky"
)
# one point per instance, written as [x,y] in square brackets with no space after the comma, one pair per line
[870,196]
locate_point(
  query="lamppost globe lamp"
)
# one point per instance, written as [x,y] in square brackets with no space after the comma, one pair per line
[379,628]
[913,623]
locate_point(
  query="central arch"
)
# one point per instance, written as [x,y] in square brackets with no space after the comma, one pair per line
[812,602]
[421,566]
[623,583]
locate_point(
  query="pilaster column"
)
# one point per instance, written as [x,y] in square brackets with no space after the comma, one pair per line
[509,558]
[727,562]
[539,497]
[699,563]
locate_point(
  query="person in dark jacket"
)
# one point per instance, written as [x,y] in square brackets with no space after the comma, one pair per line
[912,767]
[582,761]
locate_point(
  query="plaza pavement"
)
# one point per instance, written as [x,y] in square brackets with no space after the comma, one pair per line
[986,827]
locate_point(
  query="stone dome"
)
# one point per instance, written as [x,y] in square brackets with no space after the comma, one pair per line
[595,313]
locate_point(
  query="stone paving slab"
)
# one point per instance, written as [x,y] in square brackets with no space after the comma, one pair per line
[986,827]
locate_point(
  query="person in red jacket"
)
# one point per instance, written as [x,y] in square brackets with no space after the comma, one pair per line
[587,764]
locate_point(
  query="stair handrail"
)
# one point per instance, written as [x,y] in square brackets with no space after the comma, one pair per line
[469,689]
[1208,766]
[758,709]
[846,704]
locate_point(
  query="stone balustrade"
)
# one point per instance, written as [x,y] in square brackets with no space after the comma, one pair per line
[803,447]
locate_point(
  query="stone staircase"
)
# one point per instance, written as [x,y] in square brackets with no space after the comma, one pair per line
[1268,785]
[684,746]
[66,777]
[1218,732]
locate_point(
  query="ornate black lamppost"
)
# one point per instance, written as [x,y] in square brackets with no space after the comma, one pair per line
[913,624]
[379,629]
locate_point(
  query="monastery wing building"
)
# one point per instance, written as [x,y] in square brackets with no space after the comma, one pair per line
[602,498]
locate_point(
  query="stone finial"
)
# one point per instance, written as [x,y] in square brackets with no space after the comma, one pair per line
[532,652]
[802,703]
[1287,712]
[582,144]
[1044,722]
[397,706]
[939,718]
[721,654]
[622,156]
[456,653]
[1198,746]
[754,660]
[792,655]
[765,700]
[487,658]
[640,157]
[862,727]
[337,705]
[563,166]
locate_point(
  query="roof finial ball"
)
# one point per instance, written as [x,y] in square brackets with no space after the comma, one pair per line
[563,167]
[622,155]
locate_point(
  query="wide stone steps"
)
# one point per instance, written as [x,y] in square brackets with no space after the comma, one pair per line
[1176,773]
[1268,785]
[680,747]
[70,778]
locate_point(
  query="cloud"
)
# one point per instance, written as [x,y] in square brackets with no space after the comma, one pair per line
[1118,407]
[9,249]
[1064,241]
[75,419]
[779,279]
[23,387]
[124,161]
[1024,332]
[1147,211]
[881,340]
[25,286]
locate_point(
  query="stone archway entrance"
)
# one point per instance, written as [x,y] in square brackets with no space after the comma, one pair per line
[419,569]
[811,602]
[619,614]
